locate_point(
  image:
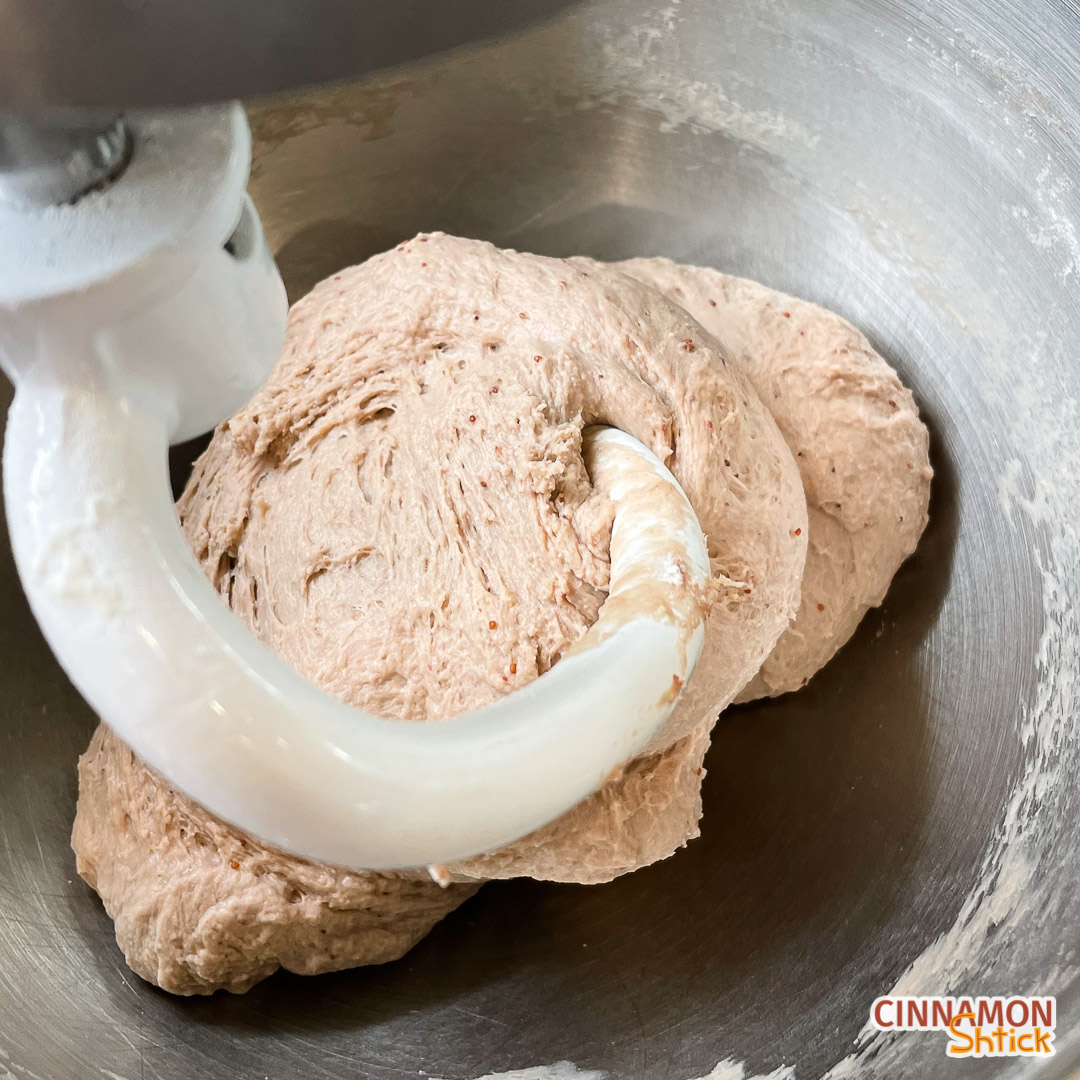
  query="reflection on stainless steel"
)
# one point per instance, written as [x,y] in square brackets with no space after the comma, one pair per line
[913,166]
[69,54]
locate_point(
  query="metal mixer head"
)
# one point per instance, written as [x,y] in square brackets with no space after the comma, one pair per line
[161,52]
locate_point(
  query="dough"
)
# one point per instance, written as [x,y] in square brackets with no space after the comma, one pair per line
[855,432]
[403,515]
[649,811]
[199,906]
[402,512]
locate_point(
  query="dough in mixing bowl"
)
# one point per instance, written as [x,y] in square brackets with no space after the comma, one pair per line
[403,515]
[855,431]
[199,906]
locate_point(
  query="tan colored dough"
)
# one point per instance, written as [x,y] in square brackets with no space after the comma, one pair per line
[370,532]
[403,515]
[855,431]
[199,907]
[644,815]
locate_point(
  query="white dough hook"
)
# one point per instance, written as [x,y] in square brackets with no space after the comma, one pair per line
[134,325]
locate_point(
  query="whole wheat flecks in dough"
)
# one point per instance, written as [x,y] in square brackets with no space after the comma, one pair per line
[403,515]
[855,431]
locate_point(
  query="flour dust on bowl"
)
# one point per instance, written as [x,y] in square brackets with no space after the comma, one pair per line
[905,824]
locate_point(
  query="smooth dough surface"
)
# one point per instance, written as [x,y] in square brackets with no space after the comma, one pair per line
[403,515]
[862,451]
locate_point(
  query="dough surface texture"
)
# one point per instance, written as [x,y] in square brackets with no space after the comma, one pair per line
[199,906]
[862,451]
[404,516]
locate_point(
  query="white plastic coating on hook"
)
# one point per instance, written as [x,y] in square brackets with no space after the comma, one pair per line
[113,359]
[159,656]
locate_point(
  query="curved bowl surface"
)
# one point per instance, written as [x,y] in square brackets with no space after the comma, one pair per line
[909,817]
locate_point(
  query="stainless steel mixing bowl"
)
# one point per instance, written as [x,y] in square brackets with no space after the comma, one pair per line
[909,817]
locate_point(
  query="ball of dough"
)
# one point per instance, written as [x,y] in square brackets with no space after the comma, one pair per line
[403,514]
[854,429]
